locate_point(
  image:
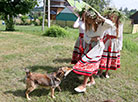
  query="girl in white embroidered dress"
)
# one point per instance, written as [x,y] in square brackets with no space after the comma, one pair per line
[113,44]
[80,44]
[89,63]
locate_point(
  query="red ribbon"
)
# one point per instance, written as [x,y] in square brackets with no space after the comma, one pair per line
[81,35]
[109,37]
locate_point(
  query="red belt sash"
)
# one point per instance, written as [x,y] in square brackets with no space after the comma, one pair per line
[109,37]
[81,35]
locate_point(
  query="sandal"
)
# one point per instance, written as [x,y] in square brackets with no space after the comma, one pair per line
[77,89]
[89,84]
[107,76]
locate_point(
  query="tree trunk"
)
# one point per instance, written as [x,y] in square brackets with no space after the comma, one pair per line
[9,23]
[44,7]
[48,13]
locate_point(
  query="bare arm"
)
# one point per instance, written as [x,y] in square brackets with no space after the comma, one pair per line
[76,23]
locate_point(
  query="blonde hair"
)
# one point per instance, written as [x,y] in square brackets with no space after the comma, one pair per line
[92,23]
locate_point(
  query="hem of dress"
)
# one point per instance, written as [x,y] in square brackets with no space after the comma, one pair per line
[109,68]
[85,74]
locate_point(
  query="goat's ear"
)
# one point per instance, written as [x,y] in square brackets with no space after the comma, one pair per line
[54,73]
[59,69]
[58,74]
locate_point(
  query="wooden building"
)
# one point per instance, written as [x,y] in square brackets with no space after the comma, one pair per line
[56,6]
[134,19]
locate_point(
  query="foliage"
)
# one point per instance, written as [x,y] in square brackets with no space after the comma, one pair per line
[23,19]
[9,23]
[10,8]
[56,31]
[98,4]
[40,19]
[127,12]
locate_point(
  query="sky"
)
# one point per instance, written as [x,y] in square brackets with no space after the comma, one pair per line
[130,4]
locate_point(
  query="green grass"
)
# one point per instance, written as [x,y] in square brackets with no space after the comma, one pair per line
[127,27]
[26,47]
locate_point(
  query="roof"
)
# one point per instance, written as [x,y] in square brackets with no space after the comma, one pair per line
[134,16]
[67,10]
[67,15]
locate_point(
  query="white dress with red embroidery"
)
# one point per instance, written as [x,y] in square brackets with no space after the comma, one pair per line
[80,44]
[89,63]
[111,56]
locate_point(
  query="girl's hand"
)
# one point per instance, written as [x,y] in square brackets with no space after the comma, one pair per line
[97,38]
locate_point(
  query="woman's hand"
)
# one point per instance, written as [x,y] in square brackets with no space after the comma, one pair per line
[95,38]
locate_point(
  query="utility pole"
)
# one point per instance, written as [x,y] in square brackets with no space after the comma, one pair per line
[44,9]
[48,13]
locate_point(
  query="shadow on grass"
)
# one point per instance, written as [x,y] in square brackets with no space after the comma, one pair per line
[18,93]
[71,81]
[48,69]
[21,93]
[67,60]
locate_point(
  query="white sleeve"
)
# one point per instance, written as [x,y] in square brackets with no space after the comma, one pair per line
[108,23]
[87,39]
[77,23]
[120,39]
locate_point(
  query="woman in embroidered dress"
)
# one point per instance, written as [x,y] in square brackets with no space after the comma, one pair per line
[79,45]
[89,63]
[113,43]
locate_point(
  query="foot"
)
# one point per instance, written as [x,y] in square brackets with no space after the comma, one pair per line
[91,83]
[107,76]
[28,98]
[80,89]
[53,96]
[100,76]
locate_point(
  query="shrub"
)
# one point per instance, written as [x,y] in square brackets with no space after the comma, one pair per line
[56,31]
[35,23]
[40,19]
[23,19]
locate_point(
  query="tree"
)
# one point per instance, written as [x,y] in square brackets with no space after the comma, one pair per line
[11,8]
[98,4]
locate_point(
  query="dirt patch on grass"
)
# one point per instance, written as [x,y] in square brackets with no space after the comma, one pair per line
[6,32]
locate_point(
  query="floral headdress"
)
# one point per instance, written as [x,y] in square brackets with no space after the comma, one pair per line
[91,13]
[109,11]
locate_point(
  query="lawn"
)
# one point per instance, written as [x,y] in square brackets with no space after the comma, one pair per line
[27,48]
